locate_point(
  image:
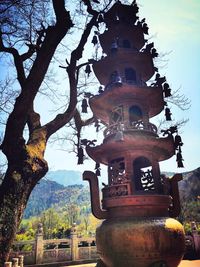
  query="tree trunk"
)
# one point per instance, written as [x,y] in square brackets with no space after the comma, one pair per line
[25,169]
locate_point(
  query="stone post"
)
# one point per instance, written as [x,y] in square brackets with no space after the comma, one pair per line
[8,264]
[74,243]
[39,244]
[89,251]
[15,262]
[21,261]
[196,238]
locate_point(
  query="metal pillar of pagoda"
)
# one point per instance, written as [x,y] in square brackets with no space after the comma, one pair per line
[138,203]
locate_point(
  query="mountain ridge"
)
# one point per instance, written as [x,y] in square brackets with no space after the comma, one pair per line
[49,193]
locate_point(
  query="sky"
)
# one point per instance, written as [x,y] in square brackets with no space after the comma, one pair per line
[176,25]
[174,28]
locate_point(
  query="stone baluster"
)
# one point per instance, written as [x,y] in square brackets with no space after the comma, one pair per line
[39,244]
[15,262]
[21,261]
[196,238]
[89,251]
[74,243]
[8,264]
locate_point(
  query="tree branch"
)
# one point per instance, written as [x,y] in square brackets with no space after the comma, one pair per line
[62,16]
[32,48]
[81,123]
[17,60]
[18,117]
[90,10]
[61,119]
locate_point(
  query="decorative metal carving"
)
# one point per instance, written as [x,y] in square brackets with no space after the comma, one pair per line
[116,171]
[147,180]
[117,115]
[116,190]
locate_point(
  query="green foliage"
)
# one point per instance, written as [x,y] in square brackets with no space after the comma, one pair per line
[57,207]
[49,194]
[190,211]
[188,227]
[190,198]
[58,220]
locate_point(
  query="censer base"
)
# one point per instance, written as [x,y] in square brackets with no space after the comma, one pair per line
[140,242]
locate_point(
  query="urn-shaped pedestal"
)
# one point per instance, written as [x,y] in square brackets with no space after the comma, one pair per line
[140,242]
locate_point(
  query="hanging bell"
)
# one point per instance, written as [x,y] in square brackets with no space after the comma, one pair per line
[145,28]
[97,165]
[98,172]
[166,90]
[168,114]
[94,40]
[154,53]
[100,18]
[178,141]
[84,105]
[100,90]
[80,155]
[88,70]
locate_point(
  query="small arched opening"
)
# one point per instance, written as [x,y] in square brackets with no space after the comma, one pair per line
[130,75]
[126,43]
[135,114]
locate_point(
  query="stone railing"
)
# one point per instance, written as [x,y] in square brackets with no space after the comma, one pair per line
[75,249]
[41,251]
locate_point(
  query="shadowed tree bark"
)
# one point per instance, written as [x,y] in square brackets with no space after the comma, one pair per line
[26,163]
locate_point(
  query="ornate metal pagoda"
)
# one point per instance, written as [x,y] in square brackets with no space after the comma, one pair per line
[138,203]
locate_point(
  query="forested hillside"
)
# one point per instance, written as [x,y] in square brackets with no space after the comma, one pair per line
[49,194]
[58,207]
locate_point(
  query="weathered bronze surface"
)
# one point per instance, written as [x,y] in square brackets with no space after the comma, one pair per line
[137,201]
[140,242]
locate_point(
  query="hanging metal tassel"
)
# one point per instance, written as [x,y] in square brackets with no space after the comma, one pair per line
[84,105]
[97,168]
[94,40]
[96,124]
[166,90]
[88,70]
[80,155]
[168,114]
[179,149]
[179,160]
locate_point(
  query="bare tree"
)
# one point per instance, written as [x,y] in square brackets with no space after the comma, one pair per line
[29,37]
